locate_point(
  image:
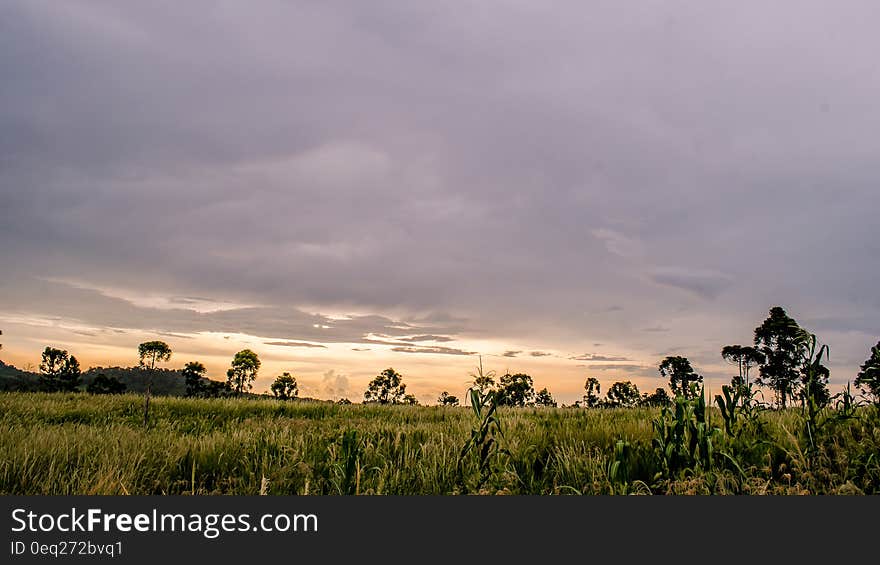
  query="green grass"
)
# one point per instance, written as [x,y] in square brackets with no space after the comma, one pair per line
[83,444]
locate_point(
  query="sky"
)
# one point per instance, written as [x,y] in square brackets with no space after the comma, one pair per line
[567,191]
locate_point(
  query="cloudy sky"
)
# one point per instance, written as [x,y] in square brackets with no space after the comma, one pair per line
[346,186]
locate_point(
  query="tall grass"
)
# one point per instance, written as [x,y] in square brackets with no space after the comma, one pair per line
[81,444]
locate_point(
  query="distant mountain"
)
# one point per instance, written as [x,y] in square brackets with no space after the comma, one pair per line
[166,382]
[12,378]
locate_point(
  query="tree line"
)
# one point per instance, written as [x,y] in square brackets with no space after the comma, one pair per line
[789,362]
[787,357]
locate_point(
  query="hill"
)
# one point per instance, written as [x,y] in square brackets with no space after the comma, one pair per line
[14,379]
[166,382]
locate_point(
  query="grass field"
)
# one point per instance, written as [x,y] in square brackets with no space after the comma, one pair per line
[83,444]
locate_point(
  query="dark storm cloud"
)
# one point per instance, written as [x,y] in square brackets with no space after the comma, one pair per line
[493,169]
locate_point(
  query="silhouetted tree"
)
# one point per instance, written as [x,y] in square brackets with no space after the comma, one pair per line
[744,357]
[623,394]
[447,399]
[680,374]
[194,375]
[592,398]
[868,379]
[150,353]
[544,398]
[243,371]
[386,388]
[658,398]
[515,390]
[102,384]
[59,370]
[781,340]
[410,399]
[217,389]
[285,387]
[343,401]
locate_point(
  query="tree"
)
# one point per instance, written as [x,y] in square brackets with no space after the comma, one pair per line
[744,358]
[868,378]
[623,394]
[515,390]
[544,398]
[386,388]
[285,387]
[217,389]
[243,371]
[447,399]
[592,398]
[780,339]
[59,370]
[194,375]
[658,398]
[410,399]
[680,374]
[149,354]
[105,385]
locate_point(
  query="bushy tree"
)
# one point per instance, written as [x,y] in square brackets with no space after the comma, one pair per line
[515,390]
[102,384]
[868,378]
[623,394]
[744,357]
[194,375]
[592,398]
[285,387]
[59,371]
[386,388]
[447,399]
[151,353]
[658,398]
[781,340]
[217,389]
[241,374]
[410,399]
[544,398]
[680,374]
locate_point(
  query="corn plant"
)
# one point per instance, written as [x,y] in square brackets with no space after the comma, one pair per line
[845,403]
[346,456]
[683,435]
[483,437]
[618,467]
[739,408]
[810,402]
